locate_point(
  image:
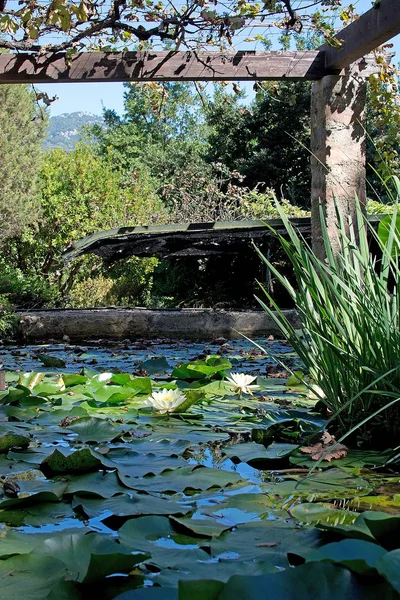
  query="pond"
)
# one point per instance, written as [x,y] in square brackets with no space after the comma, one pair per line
[105,498]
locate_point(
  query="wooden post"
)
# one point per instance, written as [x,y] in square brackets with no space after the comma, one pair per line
[338,150]
[3,385]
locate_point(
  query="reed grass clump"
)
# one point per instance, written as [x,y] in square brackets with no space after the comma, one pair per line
[349,340]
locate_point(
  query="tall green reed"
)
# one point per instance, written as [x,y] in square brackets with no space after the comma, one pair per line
[349,340]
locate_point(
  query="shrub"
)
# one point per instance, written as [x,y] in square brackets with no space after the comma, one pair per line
[25,291]
[349,339]
[92,292]
[8,318]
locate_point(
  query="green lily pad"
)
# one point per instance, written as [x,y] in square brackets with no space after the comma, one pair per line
[317,512]
[312,580]
[389,567]
[204,528]
[91,429]
[71,379]
[263,541]
[252,452]
[157,536]
[155,365]
[10,440]
[332,483]
[358,555]
[34,492]
[133,505]
[51,361]
[62,461]
[184,479]
[31,576]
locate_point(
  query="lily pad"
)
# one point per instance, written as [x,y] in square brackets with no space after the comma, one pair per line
[389,567]
[157,536]
[132,505]
[204,528]
[80,461]
[358,555]
[185,479]
[10,440]
[91,429]
[253,453]
[31,576]
[317,512]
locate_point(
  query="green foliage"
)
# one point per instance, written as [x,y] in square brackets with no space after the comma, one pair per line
[74,25]
[80,194]
[374,207]
[8,318]
[26,290]
[349,339]
[267,142]
[22,132]
[91,292]
[383,127]
[161,135]
[128,283]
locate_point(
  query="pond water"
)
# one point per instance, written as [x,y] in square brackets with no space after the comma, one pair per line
[127,355]
[110,497]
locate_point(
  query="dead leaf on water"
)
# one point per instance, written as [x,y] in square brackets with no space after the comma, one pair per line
[327,449]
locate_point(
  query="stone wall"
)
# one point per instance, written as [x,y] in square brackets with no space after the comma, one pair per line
[112,323]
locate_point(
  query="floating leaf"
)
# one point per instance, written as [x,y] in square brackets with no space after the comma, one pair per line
[389,567]
[70,380]
[80,461]
[327,449]
[10,440]
[51,361]
[205,528]
[358,555]
[92,429]
[133,505]
[155,365]
[184,479]
[317,512]
[253,453]
[31,576]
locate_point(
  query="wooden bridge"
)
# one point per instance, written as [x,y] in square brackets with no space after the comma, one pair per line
[193,239]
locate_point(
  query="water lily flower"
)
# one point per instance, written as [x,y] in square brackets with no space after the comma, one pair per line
[166,401]
[315,393]
[241,383]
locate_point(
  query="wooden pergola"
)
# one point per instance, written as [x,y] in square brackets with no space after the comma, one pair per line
[338,92]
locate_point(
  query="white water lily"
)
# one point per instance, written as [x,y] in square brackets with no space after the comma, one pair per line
[315,393]
[166,401]
[241,383]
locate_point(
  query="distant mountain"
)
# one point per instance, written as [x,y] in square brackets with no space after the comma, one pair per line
[64,130]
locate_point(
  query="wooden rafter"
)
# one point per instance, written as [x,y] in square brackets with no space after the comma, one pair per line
[374,28]
[161,66]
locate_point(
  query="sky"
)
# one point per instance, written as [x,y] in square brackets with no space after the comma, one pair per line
[93,97]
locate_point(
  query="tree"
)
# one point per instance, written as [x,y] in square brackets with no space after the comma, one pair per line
[267,142]
[58,26]
[22,130]
[79,194]
[163,134]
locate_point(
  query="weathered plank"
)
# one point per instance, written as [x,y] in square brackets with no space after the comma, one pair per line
[374,28]
[177,240]
[194,239]
[162,66]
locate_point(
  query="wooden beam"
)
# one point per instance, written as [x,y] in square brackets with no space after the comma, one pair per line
[161,66]
[374,28]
